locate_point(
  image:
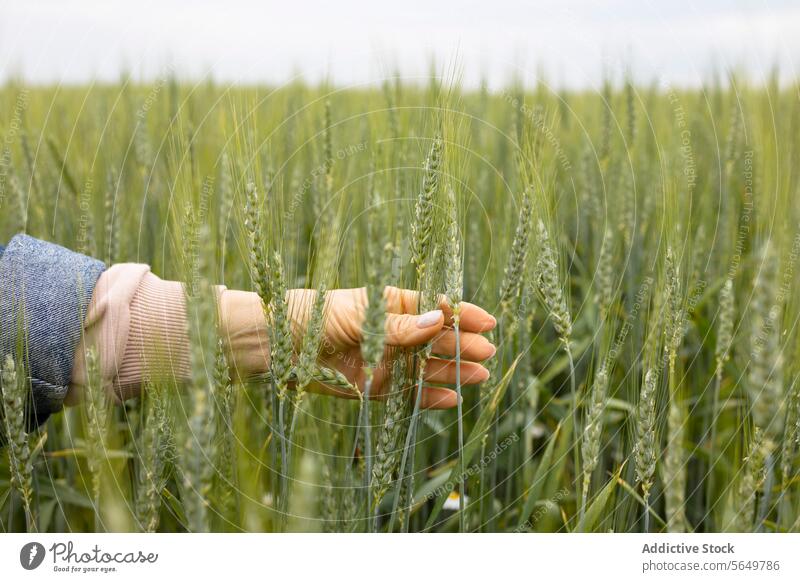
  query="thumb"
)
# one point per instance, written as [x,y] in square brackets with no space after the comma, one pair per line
[412,330]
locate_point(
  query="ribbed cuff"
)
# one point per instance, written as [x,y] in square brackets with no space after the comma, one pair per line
[106,326]
[158,340]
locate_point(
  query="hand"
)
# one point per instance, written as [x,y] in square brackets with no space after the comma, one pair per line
[244,326]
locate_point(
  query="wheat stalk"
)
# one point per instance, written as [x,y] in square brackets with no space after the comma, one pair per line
[112,217]
[766,361]
[422,248]
[96,427]
[226,200]
[726,321]
[200,432]
[387,451]
[196,468]
[225,449]
[281,351]
[674,462]
[19,201]
[630,108]
[328,148]
[790,436]
[675,469]
[154,453]
[454,291]
[142,148]
[765,381]
[373,340]
[549,288]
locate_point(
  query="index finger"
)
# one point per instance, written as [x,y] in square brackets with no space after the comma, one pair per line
[473,318]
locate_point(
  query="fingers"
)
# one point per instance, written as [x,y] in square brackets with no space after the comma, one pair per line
[437,398]
[444,372]
[474,347]
[413,330]
[473,318]
[400,300]
[433,397]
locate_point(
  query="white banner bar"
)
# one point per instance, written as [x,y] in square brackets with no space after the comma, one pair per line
[329,558]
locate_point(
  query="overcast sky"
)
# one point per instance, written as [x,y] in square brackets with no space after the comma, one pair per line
[678,41]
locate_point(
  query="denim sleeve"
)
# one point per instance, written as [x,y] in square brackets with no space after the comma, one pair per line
[45,290]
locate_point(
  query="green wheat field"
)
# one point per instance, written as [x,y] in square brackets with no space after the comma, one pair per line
[637,244]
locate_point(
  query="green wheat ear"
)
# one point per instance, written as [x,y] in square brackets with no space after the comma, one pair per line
[645,451]
[111,214]
[674,328]
[388,445]
[281,348]
[515,267]
[378,257]
[726,324]
[590,445]
[604,289]
[674,468]
[751,481]
[156,451]
[14,391]
[550,287]
[224,450]
[422,228]
[226,202]
[96,424]
[765,380]
[198,434]
[256,246]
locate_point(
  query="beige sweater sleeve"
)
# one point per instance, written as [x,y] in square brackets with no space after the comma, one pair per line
[106,325]
[137,322]
[156,341]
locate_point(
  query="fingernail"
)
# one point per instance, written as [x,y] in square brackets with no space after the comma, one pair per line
[430,318]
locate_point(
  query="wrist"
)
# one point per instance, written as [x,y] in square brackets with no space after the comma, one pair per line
[244,329]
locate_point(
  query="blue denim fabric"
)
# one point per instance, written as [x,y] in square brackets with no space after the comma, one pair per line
[45,289]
